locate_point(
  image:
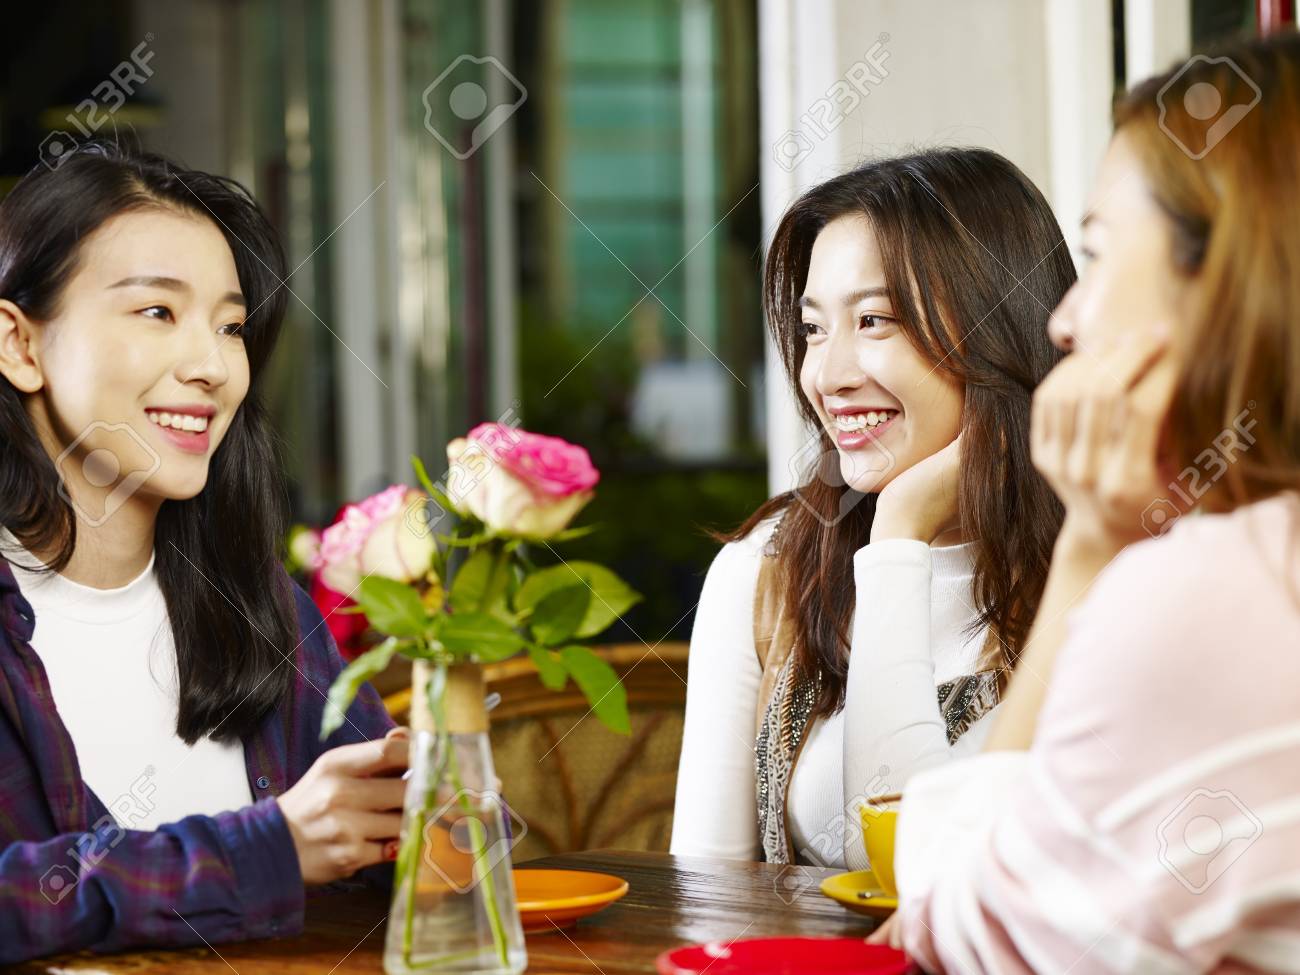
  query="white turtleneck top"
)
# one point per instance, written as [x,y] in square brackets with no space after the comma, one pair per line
[911,632]
[110,659]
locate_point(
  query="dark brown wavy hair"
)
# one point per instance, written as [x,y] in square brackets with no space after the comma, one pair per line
[974,262]
[1234,217]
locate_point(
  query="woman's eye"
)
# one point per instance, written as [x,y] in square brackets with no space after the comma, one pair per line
[874,321]
[234,328]
[160,312]
[808,330]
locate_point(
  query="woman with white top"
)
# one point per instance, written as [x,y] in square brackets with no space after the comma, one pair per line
[1140,811]
[858,629]
[162,679]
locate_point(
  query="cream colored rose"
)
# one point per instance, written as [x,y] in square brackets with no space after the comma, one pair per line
[385,535]
[481,483]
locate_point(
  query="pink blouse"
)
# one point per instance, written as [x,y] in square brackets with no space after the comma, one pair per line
[1154,826]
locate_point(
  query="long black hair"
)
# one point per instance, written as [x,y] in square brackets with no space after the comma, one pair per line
[974,261]
[217,555]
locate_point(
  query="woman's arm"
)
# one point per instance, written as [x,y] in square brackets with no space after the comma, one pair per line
[1091,852]
[216,878]
[716,812]
[892,724]
[1096,426]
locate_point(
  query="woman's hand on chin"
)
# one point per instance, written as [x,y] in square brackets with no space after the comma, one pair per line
[921,502]
[1097,420]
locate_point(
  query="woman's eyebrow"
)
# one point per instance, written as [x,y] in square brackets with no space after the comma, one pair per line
[174,284]
[852,298]
[152,281]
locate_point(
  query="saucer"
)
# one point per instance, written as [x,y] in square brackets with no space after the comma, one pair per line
[860,891]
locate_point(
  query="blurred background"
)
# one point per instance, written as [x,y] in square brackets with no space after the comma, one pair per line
[554,211]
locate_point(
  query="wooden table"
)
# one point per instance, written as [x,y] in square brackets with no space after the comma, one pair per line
[671,901]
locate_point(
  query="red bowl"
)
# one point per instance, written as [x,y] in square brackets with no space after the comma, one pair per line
[786,956]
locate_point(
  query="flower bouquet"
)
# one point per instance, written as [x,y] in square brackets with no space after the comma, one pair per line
[445,575]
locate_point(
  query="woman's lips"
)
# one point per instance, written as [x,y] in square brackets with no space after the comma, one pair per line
[188,441]
[852,440]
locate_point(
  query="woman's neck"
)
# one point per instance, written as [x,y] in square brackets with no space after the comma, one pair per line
[111,554]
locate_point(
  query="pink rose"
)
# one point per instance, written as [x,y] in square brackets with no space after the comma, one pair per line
[519,483]
[382,535]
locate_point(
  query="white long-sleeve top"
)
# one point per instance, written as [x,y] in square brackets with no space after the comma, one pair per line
[1154,825]
[911,632]
[110,658]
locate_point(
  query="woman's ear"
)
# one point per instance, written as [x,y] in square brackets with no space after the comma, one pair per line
[18,357]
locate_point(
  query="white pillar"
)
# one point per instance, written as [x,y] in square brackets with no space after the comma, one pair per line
[1080,79]
[1157,34]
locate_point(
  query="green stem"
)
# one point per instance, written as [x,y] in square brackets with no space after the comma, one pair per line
[412,843]
[481,867]
[408,858]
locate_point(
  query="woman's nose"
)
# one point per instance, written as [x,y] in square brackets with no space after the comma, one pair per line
[202,358]
[840,368]
[1060,331]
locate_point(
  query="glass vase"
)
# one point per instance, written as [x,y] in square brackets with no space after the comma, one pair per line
[453,907]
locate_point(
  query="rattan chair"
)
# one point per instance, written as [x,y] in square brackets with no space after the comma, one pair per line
[573,783]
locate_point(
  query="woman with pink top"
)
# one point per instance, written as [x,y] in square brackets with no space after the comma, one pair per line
[1137,808]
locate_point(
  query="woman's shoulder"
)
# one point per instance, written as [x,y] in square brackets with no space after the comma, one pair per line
[1214,556]
[1213,584]
[744,555]
[732,580]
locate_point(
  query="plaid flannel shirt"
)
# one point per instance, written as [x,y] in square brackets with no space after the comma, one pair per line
[72,878]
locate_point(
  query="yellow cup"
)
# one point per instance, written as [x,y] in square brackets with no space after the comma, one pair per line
[879,818]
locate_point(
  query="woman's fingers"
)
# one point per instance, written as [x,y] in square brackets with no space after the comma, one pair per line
[370,757]
[377,793]
[376,825]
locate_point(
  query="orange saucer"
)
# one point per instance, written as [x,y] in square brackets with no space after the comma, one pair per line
[548,899]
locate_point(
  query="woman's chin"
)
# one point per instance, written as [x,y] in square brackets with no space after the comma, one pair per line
[178,487]
[867,471]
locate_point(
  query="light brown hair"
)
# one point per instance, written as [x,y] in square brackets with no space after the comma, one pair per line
[1235,219]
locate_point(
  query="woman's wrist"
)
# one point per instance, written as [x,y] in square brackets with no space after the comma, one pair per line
[892,523]
[1086,544]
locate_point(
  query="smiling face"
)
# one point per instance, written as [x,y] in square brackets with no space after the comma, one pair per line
[1129,284]
[143,366]
[885,407]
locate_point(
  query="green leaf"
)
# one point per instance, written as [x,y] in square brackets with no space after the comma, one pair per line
[346,685]
[392,607]
[480,582]
[600,683]
[569,534]
[549,668]
[479,636]
[559,614]
[611,597]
